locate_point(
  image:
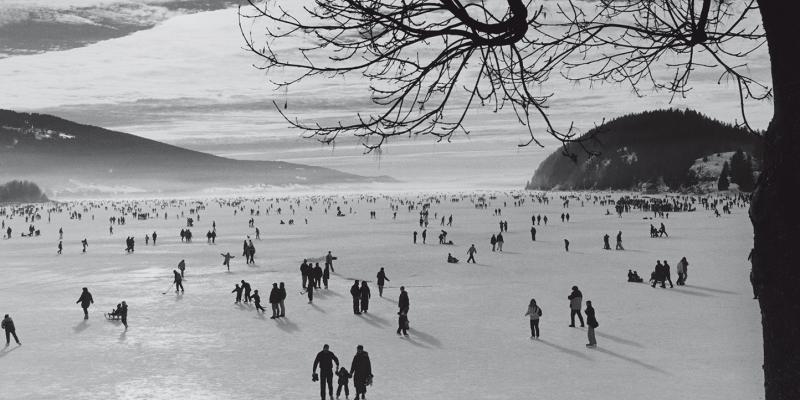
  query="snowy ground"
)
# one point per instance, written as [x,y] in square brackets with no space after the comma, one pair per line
[469,339]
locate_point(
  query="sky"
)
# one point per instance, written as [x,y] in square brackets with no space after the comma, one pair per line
[176,71]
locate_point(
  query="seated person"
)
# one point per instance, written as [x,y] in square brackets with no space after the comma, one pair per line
[636,277]
[451,259]
[116,311]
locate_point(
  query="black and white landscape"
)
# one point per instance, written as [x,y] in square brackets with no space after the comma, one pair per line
[162,153]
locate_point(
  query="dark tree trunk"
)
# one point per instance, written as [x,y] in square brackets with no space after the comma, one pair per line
[774,213]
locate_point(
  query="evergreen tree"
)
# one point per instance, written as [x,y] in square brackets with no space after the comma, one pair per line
[724,182]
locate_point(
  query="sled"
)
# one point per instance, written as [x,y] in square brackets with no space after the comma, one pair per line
[113,317]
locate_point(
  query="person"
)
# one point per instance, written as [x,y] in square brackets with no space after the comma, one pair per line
[329,261]
[606,245]
[60,246]
[318,275]
[683,267]
[658,275]
[274,300]
[575,302]
[310,292]
[381,280]
[355,292]
[282,291]
[123,312]
[178,281]
[257,300]
[451,259]
[238,291]
[402,322]
[415,242]
[667,274]
[566,245]
[227,259]
[533,233]
[493,242]
[325,360]
[344,379]
[364,294]
[592,321]
[84,243]
[361,368]
[424,235]
[304,268]
[182,267]
[619,241]
[85,300]
[403,302]
[471,252]
[11,330]
[246,288]
[500,242]
[326,276]
[535,313]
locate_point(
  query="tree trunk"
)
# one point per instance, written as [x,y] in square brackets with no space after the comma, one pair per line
[774,213]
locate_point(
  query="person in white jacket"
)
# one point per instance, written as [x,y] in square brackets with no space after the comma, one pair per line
[535,312]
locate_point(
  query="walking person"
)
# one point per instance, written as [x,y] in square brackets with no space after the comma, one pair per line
[355,292]
[533,233]
[326,276]
[310,292]
[364,294]
[178,281]
[667,274]
[575,302]
[11,330]
[500,242]
[361,368]
[493,242]
[381,280]
[257,300]
[182,267]
[592,321]
[274,300]
[343,382]
[123,312]
[85,300]
[683,267]
[535,313]
[325,360]
[329,261]
[282,293]
[238,290]
[619,241]
[246,288]
[471,253]
[60,247]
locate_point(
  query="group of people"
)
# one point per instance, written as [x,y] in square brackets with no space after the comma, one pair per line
[360,372]
[575,303]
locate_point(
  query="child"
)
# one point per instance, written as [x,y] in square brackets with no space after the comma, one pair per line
[344,378]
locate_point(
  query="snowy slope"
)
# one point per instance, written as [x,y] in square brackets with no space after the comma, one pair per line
[469,338]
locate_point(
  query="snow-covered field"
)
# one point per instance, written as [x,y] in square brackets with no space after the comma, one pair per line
[469,338]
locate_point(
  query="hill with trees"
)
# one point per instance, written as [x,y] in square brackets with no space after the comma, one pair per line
[21,192]
[662,149]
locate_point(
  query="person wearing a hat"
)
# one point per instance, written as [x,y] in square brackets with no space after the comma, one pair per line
[325,360]
[575,303]
[361,369]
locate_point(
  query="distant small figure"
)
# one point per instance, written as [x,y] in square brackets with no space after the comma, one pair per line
[619,241]
[533,233]
[85,244]
[683,271]
[633,276]
[575,302]
[60,247]
[566,245]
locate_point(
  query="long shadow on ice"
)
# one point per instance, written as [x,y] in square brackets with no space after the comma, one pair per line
[4,352]
[373,317]
[689,292]
[81,326]
[426,338]
[619,339]
[632,360]
[710,289]
[323,293]
[286,325]
[371,321]
[565,350]
[316,307]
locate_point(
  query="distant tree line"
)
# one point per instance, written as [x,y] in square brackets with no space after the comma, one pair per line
[17,191]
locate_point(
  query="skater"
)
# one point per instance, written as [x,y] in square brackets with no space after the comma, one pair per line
[227,259]
[8,326]
[364,294]
[343,382]
[246,288]
[500,242]
[535,313]
[471,252]
[575,302]
[592,321]
[318,275]
[182,267]
[683,266]
[123,312]
[361,368]
[155,235]
[329,261]
[310,292]
[257,300]
[403,302]
[178,281]
[282,293]
[533,233]
[402,323]
[85,244]
[424,235]
[326,276]
[238,290]
[619,241]
[381,278]
[325,360]
[274,300]
[85,300]
[60,247]
[355,292]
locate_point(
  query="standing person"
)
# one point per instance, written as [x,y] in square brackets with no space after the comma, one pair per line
[178,281]
[123,311]
[85,300]
[415,242]
[11,330]
[361,368]
[344,379]
[282,292]
[246,288]
[364,294]
[471,252]
[355,292]
[318,275]
[683,270]
[227,259]
[667,274]
[274,300]
[592,321]
[381,278]
[329,261]
[606,244]
[60,246]
[326,275]
[257,300]
[310,292]
[424,235]
[493,242]
[325,360]
[402,323]
[182,267]
[154,236]
[84,243]
[575,302]
[535,313]
[566,244]
[238,291]
[304,267]
[533,233]
[500,242]
[619,241]
[403,302]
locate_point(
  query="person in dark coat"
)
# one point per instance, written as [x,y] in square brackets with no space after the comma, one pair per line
[343,382]
[592,322]
[123,312]
[282,292]
[318,276]
[238,291]
[667,274]
[310,291]
[257,300]
[325,360]
[355,292]
[364,295]
[304,267]
[402,323]
[575,299]
[402,302]
[326,275]
[246,288]
[361,368]
[329,261]
[381,280]
[85,300]
[178,281]
[11,330]
[533,233]
[274,300]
